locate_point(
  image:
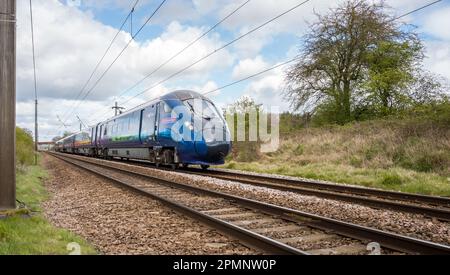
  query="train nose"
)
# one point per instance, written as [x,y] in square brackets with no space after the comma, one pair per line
[213,151]
[215,144]
[218,151]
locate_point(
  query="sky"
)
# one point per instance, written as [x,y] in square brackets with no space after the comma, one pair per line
[72,35]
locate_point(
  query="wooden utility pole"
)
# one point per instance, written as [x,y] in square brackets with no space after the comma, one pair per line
[7,104]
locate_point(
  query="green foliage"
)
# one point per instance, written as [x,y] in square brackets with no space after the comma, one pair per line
[374,149]
[327,113]
[391,179]
[25,234]
[436,112]
[244,150]
[423,160]
[390,71]
[290,122]
[359,64]
[24,148]
[408,152]
[356,161]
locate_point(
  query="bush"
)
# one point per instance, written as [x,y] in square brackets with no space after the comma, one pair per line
[24,148]
[391,179]
[246,151]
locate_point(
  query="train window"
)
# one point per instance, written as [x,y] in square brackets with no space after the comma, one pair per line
[165,108]
[148,122]
[208,110]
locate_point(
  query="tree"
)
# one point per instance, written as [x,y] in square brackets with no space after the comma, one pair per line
[245,104]
[335,58]
[428,88]
[391,67]
[245,151]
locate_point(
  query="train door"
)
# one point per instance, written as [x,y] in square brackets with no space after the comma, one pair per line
[99,136]
[92,137]
[95,135]
[149,130]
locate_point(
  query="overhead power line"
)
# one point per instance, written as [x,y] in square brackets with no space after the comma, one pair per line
[294,59]
[118,56]
[123,50]
[217,50]
[252,76]
[102,58]
[416,10]
[185,48]
[106,52]
[182,51]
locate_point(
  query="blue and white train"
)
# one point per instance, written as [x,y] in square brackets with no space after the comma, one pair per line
[147,133]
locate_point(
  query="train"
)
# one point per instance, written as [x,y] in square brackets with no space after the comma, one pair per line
[181,128]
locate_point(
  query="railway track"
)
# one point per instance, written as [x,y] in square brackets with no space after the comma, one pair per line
[270,228]
[429,206]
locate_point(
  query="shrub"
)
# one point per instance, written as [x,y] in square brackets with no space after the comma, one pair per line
[24,148]
[391,179]
[246,151]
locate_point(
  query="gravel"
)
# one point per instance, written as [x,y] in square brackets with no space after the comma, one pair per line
[117,221]
[413,225]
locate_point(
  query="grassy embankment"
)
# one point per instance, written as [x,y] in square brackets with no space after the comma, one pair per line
[410,155]
[26,231]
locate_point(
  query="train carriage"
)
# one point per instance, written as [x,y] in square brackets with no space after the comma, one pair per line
[147,133]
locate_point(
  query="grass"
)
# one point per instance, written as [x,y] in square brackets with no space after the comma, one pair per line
[398,179]
[29,233]
[403,155]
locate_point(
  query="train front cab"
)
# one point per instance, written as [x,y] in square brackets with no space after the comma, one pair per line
[200,149]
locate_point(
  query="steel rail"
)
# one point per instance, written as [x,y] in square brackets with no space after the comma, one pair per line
[435,200]
[329,193]
[386,239]
[398,201]
[247,237]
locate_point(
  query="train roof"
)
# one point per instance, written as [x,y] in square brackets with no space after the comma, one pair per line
[70,136]
[183,95]
[176,95]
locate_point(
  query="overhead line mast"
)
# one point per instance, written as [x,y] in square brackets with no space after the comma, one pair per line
[36,125]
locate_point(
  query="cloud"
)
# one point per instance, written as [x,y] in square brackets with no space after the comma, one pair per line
[438,57]
[71,38]
[68,50]
[267,89]
[435,21]
[294,22]
[207,6]
[105,4]
[247,67]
